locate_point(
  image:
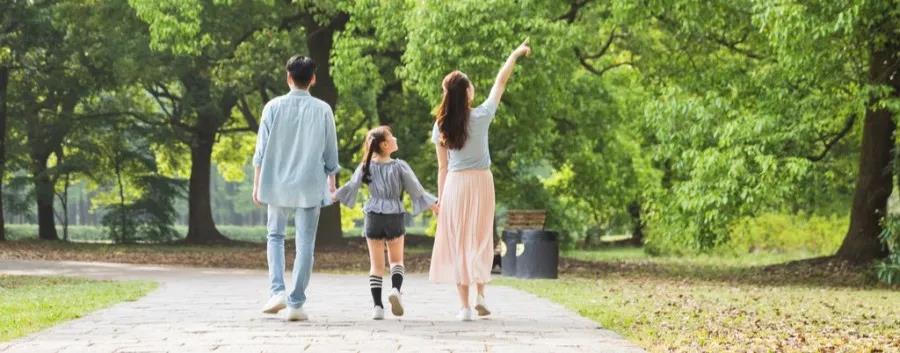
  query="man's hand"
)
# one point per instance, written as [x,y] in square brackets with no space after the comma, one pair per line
[256,198]
[332,184]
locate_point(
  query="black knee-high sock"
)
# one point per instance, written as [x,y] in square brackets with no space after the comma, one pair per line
[375,285]
[397,273]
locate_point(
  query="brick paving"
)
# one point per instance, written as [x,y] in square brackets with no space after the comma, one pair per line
[218,310]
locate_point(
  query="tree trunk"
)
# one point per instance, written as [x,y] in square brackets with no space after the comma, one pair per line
[874,182]
[121,185]
[320,42]
[201,228]
[43,189]
[637,227]
[4,83]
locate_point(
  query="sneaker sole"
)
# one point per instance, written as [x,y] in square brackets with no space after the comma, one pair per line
[396,307]
[482,310]
[275,309]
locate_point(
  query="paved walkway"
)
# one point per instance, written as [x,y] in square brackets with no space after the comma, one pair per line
[202,310]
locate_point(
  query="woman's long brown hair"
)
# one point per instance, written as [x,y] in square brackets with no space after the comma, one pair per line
[452,115]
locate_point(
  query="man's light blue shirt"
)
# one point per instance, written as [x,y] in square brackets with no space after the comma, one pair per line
[296,149]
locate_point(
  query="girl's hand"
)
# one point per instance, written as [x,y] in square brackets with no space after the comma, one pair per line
[523,49]
[435,209]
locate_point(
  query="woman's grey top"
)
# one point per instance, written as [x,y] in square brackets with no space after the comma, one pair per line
[389,181]
[475,153]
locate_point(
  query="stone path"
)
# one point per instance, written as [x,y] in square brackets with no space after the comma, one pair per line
[217,310]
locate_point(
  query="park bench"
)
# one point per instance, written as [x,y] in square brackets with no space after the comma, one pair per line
[525,219]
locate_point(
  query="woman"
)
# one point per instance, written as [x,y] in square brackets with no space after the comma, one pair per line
[464,245]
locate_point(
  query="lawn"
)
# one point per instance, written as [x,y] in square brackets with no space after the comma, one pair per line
[32,303]
[94,234]
[726,304]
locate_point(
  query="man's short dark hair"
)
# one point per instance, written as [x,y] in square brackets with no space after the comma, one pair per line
[301,69]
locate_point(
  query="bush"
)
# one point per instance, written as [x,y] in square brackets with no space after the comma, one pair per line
[778,232]
[150,217]
[769,232]
[76,233]
[888,270]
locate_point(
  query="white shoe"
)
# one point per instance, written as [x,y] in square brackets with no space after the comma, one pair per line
[465,314]
[296,314]
[378,313]
[396,303]
[275,304]
[481,307]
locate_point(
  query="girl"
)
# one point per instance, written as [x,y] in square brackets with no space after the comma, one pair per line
[387,179]
[464,246]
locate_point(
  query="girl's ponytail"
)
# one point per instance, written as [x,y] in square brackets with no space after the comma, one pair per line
[373,145]
[367,173]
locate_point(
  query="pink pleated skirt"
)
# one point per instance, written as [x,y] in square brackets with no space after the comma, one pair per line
[464,243]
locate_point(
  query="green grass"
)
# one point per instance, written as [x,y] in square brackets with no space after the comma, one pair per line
[32,303]
[253,234]
[723,304]
[631,254]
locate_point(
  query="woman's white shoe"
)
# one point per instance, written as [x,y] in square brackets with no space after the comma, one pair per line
[465,314]
[481,307]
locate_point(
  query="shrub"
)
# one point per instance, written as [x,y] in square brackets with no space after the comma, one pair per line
[778,232]
[888,270]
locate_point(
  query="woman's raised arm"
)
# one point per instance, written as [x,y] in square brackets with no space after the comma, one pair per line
[506,71]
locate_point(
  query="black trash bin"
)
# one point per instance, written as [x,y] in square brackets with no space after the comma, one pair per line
[511,239]
[540,257]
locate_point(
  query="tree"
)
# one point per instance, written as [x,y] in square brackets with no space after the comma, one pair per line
[754,109]
[205,44]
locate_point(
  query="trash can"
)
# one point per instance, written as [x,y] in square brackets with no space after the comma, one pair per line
[510,239]
[540,255]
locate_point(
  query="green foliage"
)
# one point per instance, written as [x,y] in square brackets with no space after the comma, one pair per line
[150,217]
[888,270]
[777,232]
[767,233]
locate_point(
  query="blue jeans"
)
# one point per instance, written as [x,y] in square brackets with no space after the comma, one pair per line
[306,221]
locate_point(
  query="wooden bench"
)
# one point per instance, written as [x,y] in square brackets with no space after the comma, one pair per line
[525,219]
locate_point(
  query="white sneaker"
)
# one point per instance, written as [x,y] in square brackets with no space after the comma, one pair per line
[378,313]
[275,304]
[481,307]
[296,314]
[465,314]
[396,303]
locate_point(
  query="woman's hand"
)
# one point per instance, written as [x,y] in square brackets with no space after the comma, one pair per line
[435,209]
[523,49]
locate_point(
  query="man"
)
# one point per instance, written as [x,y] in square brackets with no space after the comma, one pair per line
[295,164]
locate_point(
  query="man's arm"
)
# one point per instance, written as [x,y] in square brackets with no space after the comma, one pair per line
[330,155]
[262,139]
[256,187]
